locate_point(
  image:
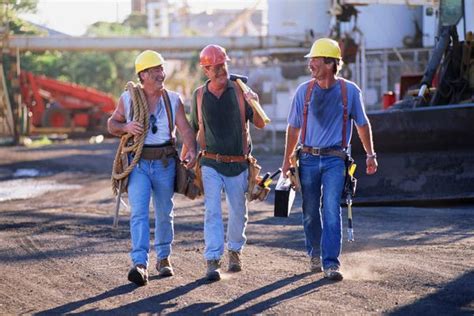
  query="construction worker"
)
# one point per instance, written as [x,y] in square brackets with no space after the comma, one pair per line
[155,172]
[320,119]
[220,113]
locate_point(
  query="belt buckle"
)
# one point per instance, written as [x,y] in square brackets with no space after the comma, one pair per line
[218,158]
[315,151]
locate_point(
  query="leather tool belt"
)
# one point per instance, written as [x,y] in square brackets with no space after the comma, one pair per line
[225,158]
[315,151]
[158,152]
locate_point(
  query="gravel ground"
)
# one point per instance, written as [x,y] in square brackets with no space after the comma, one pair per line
[60,255]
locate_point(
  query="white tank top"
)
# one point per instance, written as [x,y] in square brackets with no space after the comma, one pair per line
[163,133]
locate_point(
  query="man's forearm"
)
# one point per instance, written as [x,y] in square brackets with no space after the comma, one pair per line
[189,140]
[258,121]
[365,135]
[116,128]
[292,134]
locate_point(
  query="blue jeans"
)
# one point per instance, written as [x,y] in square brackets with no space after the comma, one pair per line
[151,176]
[322,182]
[235,188]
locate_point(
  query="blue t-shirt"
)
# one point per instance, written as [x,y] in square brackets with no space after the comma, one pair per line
[325,111]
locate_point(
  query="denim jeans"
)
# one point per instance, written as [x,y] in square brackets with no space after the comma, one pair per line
[322,182]
[151,176]
[235,188]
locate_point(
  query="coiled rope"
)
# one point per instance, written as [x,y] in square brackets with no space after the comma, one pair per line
[129,143]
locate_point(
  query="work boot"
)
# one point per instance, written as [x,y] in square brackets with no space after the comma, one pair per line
[164,268]
[333,274]
[315,264]
[213,270]
[235,264]
[138,275]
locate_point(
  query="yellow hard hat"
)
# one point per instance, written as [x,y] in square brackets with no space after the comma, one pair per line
[325,47]
[148,59]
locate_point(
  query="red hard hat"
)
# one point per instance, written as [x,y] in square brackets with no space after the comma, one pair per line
[213,55]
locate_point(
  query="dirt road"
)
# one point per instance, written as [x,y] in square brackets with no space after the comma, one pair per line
[60,255]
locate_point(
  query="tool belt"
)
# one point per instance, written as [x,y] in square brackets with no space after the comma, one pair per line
[258,192]
[225,158]
[159,152]
[350,182]
[198,173]
[254,191]
[315,151]
[253,172]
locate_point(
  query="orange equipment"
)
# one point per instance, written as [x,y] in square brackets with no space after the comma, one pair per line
[212,55]
[57,104]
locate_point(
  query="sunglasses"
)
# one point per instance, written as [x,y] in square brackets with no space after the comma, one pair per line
[154,128]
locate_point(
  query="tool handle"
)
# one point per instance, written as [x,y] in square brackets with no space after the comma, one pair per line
[352,169]
[264,179]
[350,235]
[350,230]
[267,182]
[277,172]
[117,205]
[255,105]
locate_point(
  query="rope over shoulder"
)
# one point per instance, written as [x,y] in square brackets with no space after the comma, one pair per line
[129,143]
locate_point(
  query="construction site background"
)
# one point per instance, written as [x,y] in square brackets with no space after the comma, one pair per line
[266,42]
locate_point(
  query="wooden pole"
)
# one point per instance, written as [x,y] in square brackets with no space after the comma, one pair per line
[117,205]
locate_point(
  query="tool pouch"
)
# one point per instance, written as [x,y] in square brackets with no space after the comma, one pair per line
[259,193]
[294,173]
[350,182]
[253,178]
[185,181]
[198,173]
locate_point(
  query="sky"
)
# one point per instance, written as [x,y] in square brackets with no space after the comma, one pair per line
[73,16]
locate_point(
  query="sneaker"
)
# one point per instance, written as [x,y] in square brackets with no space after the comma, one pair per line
[164,268]
[235,264]
[333,274]
[315,264]
[213,270]
[138,275]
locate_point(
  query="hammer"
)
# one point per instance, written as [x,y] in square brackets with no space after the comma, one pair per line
[241,80]
[234,77]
